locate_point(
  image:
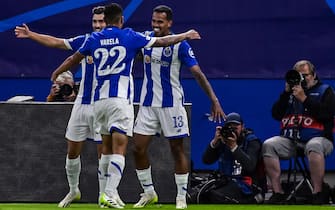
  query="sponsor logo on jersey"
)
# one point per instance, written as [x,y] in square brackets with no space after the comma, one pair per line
[162,63]
[148,60]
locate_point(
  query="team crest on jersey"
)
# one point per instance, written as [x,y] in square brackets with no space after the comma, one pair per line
[167,52]
[89,59]
[147,59]
[191,53]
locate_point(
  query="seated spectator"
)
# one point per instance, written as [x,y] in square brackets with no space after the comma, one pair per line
[63,88]
[306,111]
[237,151]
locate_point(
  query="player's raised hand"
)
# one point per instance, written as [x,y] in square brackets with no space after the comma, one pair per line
[217,112]
[193,34]
[22,31]
[54,76]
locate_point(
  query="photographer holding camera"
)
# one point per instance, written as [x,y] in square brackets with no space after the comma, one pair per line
[63,89]
[306,111]
[238,153]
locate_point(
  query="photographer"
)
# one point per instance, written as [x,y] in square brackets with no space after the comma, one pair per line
[237,151]
[63,89]
[306,111]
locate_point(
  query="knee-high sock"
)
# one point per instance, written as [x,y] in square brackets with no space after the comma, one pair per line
[144,176]
[73,168]
[115,172]
[181,182]
[102,172]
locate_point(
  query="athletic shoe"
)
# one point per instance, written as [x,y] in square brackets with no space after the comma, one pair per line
[181,203]
[111,202]
[69,198]
[146,199]
[119,201]
[101,205]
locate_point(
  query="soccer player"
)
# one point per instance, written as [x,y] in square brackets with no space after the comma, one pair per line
[80,125]
[161,107]
[113,50]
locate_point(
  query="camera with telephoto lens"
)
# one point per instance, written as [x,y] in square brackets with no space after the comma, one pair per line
[228,131]
[294,78]
[65,90]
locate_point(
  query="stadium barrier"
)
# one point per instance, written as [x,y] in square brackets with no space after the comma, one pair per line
[33,150]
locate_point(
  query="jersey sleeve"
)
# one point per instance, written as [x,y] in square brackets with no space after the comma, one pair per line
[186,55]
[76,42]
[141,40]
[86,47]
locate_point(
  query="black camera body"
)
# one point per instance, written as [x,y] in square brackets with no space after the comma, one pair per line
[294,78]
[228,131]
[65,90]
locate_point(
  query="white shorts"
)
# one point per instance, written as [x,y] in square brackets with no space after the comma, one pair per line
[114,114]
[80,125]
[172,121]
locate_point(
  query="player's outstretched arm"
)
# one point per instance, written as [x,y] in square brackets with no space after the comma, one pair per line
[69,63]
[216,109]
[173,39]
[43,39]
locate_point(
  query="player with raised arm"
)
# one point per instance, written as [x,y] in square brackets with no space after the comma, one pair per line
[80,125]
[161,106]
[113,50]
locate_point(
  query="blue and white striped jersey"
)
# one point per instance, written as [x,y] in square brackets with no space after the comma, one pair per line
[162,65]
[113,50]
[87,82]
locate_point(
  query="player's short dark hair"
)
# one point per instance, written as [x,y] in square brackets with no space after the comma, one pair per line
[166,9]
[98,10]
[113,13]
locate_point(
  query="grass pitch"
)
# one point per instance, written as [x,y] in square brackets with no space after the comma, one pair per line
[81,206]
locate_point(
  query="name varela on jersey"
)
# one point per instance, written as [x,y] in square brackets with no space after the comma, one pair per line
[111,41]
